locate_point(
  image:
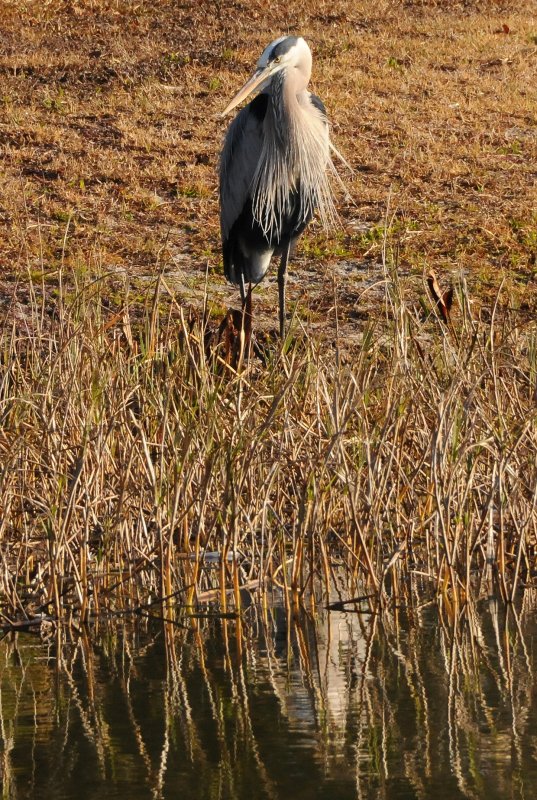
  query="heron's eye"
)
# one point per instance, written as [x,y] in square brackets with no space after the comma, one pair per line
[277,60]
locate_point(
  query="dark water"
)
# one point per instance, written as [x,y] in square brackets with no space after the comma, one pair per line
[341,706]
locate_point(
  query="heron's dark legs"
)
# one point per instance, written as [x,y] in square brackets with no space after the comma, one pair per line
[282,280]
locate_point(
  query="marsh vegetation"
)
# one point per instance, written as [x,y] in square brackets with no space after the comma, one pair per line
[132,452]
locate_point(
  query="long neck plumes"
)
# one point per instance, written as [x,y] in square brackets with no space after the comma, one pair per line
[294,160]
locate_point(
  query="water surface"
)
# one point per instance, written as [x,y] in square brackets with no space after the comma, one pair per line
[332,706]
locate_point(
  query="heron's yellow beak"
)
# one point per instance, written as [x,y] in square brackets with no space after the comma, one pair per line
[259,77]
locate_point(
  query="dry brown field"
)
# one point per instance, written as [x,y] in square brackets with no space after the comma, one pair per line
[110,135]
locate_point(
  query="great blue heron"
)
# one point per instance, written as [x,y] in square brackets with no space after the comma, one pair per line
[273,167]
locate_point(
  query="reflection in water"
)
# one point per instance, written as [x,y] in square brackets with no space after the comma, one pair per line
[275,706]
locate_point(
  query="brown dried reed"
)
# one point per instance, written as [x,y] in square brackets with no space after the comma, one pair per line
[135,470]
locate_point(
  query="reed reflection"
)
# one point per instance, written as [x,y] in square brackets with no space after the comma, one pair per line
[277,704]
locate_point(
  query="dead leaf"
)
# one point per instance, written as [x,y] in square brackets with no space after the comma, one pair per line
[443,300]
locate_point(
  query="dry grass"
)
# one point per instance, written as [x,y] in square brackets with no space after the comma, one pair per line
[125,454]
[135,468]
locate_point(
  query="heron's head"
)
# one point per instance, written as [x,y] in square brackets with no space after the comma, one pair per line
[288,53]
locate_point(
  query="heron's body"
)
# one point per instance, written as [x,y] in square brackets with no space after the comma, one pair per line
[273,167]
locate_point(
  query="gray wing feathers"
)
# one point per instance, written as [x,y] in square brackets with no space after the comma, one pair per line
[238,163]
